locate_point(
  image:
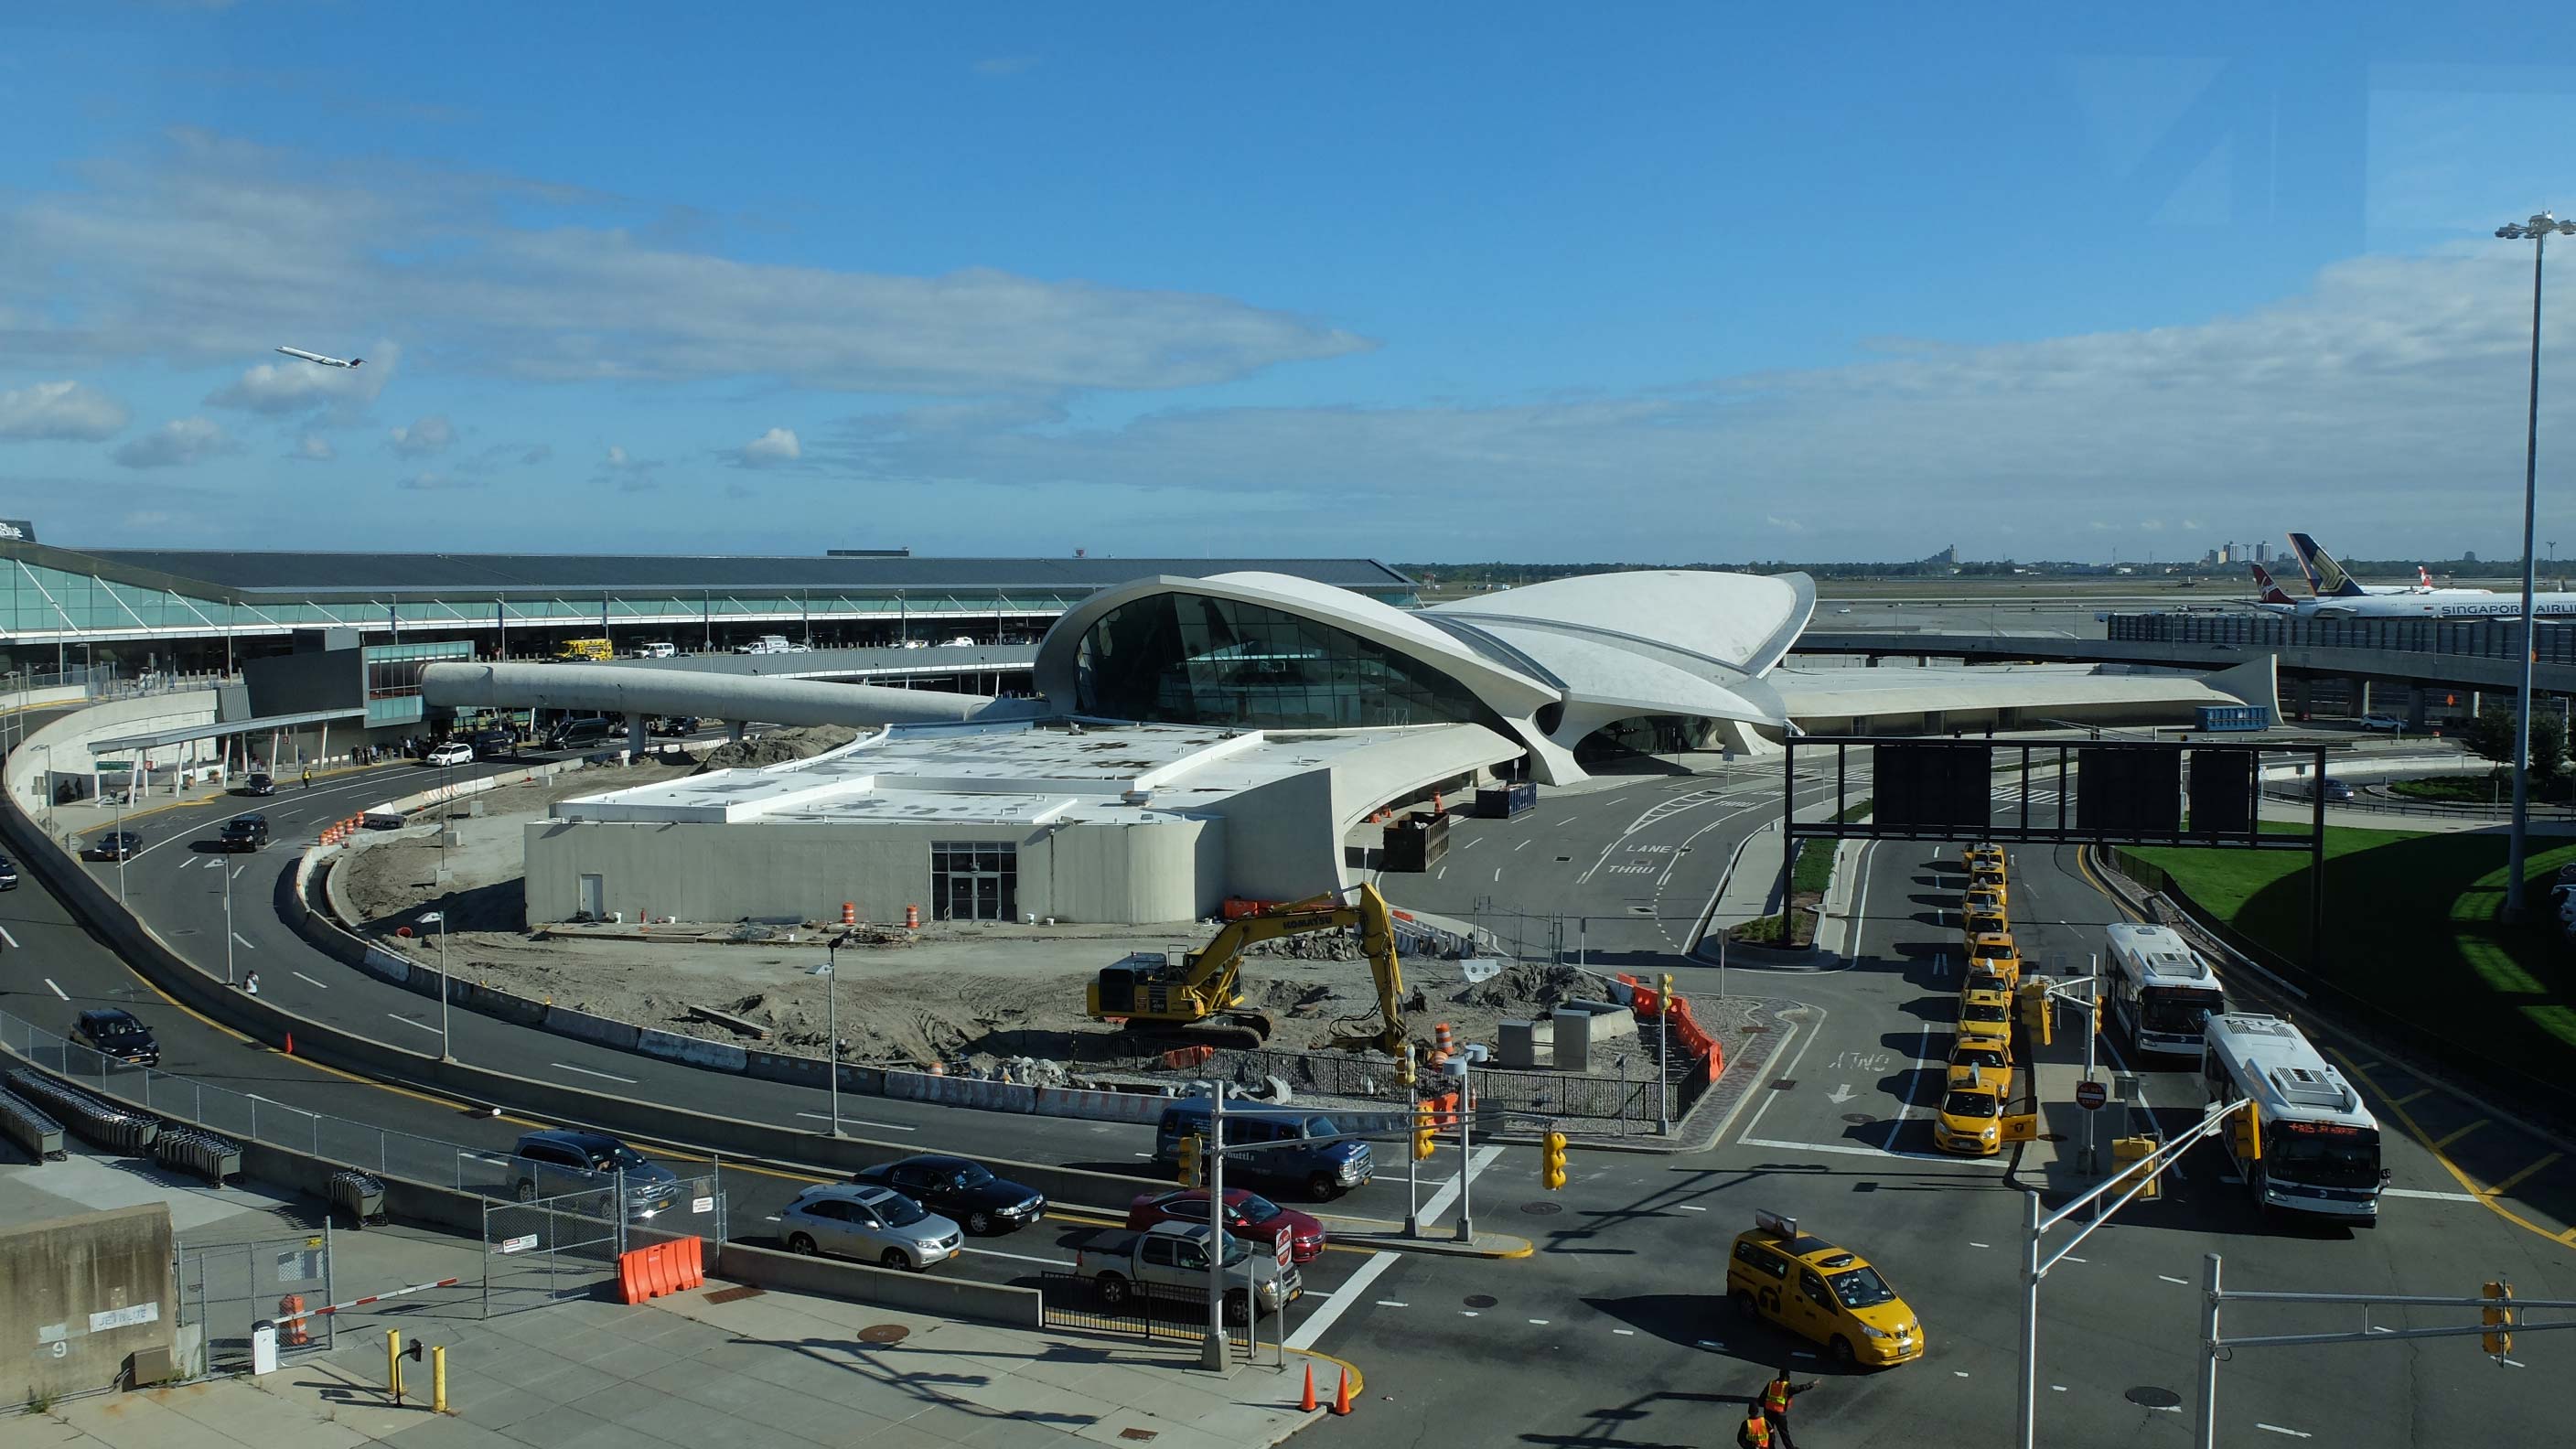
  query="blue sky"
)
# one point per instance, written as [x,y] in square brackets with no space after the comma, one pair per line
[1661,284]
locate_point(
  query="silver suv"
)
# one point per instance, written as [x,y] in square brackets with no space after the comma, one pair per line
[860,1220]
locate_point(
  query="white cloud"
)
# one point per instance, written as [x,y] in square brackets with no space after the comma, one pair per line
[778,445]
[280,389]
[430,482]
[60,411]
[630,473]
[432,434]
[314,448]
[213,248]
[175,443]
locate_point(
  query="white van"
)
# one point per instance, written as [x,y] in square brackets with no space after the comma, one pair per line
[765,644]
[658,650]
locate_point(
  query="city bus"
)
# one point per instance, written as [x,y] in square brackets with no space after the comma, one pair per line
[2311,1147]
[2160,988]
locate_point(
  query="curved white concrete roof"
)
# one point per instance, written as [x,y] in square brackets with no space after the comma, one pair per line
[1746,621]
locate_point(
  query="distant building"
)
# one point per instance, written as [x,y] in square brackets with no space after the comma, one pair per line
[1947,556]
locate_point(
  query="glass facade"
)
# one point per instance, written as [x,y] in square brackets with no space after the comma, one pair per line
[975,880]
[1650,734]
[393,676]
[1179,658]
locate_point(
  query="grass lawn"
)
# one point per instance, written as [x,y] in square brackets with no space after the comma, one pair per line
[1809,879]
[2479,789]
[2411,927]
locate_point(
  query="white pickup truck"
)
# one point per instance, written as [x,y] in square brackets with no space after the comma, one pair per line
[1169,1261]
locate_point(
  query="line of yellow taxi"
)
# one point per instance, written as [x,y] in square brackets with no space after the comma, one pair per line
[1970,1119]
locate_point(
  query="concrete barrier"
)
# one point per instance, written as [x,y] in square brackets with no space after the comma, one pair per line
[957,1298]
[564,1021]
[713,1055]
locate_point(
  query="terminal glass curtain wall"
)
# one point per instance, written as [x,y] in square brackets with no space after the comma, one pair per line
[1190,659]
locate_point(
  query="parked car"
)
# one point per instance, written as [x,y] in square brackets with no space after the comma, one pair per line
[962,1189]
[114,1032]
[114,845]
[1248,1215]
[259,783]
[580,1160]
[8,875]
[862,1220]
[243,832]
[2388,722]
[454,752]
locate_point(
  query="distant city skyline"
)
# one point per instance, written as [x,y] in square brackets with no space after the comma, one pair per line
[1664,282]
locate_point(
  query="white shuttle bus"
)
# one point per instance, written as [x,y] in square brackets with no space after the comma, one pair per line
[2317,1148]
[2160,988]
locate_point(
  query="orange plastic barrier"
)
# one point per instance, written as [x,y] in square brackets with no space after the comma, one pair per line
[1184,1058]
[690,1255]
[663,1268]
[290,1313]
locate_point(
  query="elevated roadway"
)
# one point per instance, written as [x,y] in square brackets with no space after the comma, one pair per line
[2458,671]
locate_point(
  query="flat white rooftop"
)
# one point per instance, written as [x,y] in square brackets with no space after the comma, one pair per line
[1011,774]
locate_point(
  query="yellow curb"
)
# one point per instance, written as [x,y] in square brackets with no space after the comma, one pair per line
[1359,1381]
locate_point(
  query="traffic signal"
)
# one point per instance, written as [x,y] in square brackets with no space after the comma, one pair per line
[2498,1317]
[1552,1160]
[2246,1134]
[1190,1160]
[1422,1130]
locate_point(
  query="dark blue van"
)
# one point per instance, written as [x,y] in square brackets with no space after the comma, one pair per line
[1328,1169]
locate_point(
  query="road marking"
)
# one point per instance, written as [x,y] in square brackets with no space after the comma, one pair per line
[1712,1344]
[1391,1303]
[5,936]
[2411,1098]
[1973,1243]
[1958,1373]
[1343,1297]
[1538,1323]
[2071,1258]
[1847,1149]
[300,976]
[237,870]
[407,1021]
[1439,1201]
[1689,1207]
[2375,1328]
[1498,875]
[58,991]
[1905,1109]
[1472,844]
[1524,845]
[889,1126]
[2277,1429]
[2444,1144]
[1443,875]
[2057,1388]
[2513,1363]
[587,1072]
[2453,1168]
[2168,1277]
[2510,1183]
[2430,1195]
[1025,1258]
[1625,1332]
[1466,1313]
[1815,1029]
[244,944]
[1569,820]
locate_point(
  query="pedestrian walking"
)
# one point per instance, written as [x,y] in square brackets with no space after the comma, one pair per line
[1776,1398]
[250,983]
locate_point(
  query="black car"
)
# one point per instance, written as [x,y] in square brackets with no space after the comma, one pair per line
[494,744]
[676,726]
[8,875]
[960,1189]
[259,783]
[114,1032]
[114,845]
[244,832]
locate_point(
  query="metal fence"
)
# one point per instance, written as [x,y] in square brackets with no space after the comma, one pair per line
[1149,1310]
[225,1288]
[567,1246]
[1626,1091]
[246,1117]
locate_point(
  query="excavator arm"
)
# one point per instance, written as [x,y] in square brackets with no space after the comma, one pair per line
[1386,970]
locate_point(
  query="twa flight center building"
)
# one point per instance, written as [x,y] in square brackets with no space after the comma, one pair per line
[1201,738]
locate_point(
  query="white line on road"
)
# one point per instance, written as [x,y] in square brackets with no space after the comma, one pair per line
[1712,1344]
[888,1126]
[2426,1194]
[2168,1277]
[300,976]
[1498,875]
[1905,1109]
[237,870]
[2277,1429]
[1343,1297]
[1388,1303]
[1535,1322]
[1439,1202]
[1025,1258]
[58,991]
[1524,845]
[1569,820]
[1973,1243]
[1472,844]
[1853,1149]
[2071,1258]
[407,1021]
[5,936]
[244,943]
[1689,1207]
[2513,1363]
[1443,875]
[1466,1313]
[1815,1029]
[587,1072]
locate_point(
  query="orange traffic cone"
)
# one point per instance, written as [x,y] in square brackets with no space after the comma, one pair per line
[1342,1395]
[290,1043]
[1306,1403]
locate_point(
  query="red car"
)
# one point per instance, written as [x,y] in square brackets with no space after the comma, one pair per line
[1248,1215]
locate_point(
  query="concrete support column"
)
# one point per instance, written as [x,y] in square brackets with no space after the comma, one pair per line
[734,730]
[2360,695]
[635,735]
[2414,706]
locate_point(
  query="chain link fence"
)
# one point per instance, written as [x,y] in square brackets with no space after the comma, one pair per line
[225,1288]
[541,1249]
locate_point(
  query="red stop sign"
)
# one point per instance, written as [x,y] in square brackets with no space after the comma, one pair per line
[2091,1095]
[1279,1245]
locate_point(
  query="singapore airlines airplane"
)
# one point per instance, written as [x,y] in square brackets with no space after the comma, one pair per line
[2340,596]
[317,357]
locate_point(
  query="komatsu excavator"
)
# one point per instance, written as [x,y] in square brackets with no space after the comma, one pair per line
[1201,996]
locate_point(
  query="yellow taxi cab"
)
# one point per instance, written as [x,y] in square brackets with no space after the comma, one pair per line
[1969,1121]
[1981,901]
[1824,1294]
[1991,880]
[1986,1014]
[1981,1061]
[1994,964]
[1979,920]
[1983,854]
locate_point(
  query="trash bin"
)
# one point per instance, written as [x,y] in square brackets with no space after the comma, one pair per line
[263,1346]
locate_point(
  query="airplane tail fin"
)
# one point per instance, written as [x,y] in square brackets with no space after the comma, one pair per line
[2423,576]
[357,362]
[2271,591]
[2326,578]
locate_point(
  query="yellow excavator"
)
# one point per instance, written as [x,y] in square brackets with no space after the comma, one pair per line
[1201,995]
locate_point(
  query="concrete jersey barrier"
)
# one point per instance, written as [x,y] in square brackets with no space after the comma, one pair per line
[995,1303]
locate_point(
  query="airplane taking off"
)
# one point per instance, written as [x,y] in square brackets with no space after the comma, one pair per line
[317,357]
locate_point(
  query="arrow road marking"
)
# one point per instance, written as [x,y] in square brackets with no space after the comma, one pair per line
[1841,1093]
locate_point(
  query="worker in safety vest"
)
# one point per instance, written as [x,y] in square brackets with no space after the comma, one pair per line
[1756,1431]
[1776,1396]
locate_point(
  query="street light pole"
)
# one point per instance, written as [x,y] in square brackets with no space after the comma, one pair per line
[228,923]
[441,918]
[2536,230]
[832,1027]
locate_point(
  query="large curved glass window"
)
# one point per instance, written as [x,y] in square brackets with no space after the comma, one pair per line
[1192,659]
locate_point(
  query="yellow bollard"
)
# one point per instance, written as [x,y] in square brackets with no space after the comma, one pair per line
[393,1362]
[438,1379]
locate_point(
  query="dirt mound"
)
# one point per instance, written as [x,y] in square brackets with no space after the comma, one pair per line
[1319,946]
[1522,987]
[777,747]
